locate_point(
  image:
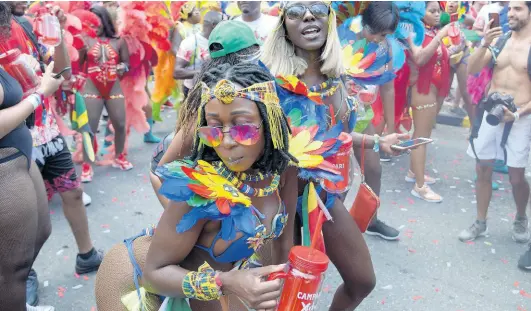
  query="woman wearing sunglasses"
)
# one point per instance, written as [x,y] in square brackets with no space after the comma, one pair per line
[305,55]
[232,197]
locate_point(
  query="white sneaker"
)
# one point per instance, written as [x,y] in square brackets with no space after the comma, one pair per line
[39,308]
[86,199]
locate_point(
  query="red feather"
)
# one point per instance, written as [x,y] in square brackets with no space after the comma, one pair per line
[200,190]
[224,206]
[367,61]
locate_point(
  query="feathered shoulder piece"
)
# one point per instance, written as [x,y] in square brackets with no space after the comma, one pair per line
[209,195]
[312,148]
[411,14]
[347,9]
[365,62]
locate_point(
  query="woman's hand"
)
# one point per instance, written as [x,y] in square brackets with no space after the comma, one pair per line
[49,84]
[392,139]
[443,33]
[121,68]
[250,287]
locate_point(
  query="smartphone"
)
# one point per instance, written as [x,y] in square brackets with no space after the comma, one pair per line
[412,143]
[57,76]
[496,18]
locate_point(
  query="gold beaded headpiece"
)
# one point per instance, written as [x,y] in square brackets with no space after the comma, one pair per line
[265,92]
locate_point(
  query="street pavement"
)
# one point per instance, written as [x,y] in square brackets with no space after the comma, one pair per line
[427,269]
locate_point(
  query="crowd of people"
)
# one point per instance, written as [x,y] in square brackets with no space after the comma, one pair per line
[267,94]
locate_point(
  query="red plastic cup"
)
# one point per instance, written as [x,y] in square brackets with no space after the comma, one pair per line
[49,30]
[303,280]
[20,70]
[455,34]
[341,161]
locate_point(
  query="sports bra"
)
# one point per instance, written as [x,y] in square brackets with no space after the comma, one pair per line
[242,247]
[20,137]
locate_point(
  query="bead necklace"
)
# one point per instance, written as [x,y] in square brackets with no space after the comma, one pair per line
[246,189]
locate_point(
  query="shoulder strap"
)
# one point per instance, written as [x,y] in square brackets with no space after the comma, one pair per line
[362,162]
[498,47]
[529,64]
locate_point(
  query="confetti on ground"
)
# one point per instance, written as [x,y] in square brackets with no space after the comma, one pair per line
[436,242]
[76,275]
[505,261]
[52,212]
[86,278]
[525,294]
[453,187]
[403,209]
[470,242]
[388,191]
[474,202]
[411,250]
[46,283]
[492,250]
[515,291]
[461,197]
[504,219]
[401,227]
[77,286]
[59,252]
[115,199]
[501,189]
[463,210]
[435,171]
[457,178]
[448,264]
[106,231]
[105,225]
[437,290]
[488,243]
[388,287]
[469,181]
[412,220]
[397,191]
[520,308]
[417,298]
[410,200]
[102,192]
[326,288]
[516,284]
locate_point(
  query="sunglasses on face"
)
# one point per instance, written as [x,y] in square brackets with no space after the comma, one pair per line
[297,11]
[245,134]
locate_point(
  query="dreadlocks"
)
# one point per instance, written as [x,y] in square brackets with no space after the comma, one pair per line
[245,74]
[5,16]
[188,111]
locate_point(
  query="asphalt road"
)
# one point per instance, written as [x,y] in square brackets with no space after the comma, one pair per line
[427,269]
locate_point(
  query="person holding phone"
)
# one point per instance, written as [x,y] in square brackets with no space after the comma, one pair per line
[430,77]
[508,56]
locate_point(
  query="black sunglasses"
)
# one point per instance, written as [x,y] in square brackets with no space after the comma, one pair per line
[297,11]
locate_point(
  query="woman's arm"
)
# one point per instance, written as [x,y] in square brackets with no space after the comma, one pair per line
[288,194]
[12,117]
[60,56]
[124,54]
[421,55]
[176,40]
[168,249]
[387,94]
[179,148]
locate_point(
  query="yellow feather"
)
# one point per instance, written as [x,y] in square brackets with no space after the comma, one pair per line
[314,145]
[132,303]
[312,198]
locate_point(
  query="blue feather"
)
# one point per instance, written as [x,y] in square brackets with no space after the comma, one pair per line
[378,63]
[316,174]
[228,231]
[176,189]
[333,150]
[374,80]
[399,57]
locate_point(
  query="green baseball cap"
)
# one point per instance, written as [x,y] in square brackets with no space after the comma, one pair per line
[233,36]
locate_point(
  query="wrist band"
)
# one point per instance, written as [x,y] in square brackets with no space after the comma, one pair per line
[376,147]
[516,116]
[36,99]
[202,284]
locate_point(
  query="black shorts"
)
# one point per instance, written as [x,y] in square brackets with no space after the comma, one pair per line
[56,165]
[185,92]
[159,151]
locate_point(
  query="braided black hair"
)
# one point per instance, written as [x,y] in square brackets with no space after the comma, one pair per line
[246,74]
[188,110]
[5,15]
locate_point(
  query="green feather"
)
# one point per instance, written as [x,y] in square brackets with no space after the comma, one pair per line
[305,218]
[197,200]
[295,115]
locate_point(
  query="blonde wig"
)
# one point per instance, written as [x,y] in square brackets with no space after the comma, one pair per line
[279,53]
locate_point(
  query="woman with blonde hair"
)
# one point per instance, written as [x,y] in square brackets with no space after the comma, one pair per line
[304,53]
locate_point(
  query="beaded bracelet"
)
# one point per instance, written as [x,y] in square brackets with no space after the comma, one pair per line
[376,147]
[203,284]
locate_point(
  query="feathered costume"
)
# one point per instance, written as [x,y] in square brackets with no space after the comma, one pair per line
[79,21]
